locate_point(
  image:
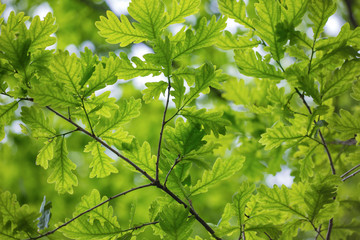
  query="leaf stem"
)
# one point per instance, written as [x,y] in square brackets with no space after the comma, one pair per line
[87,116]
[91,209]
[162,129]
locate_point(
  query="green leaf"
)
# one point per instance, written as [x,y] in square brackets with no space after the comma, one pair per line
[153,90]
[116,31]
[345,123]
[128,109]
[240,200]
[35,119]
[230,41]
[103,76]
[179,91]
[295,10]
[88,61]
[2,8]
[101,105]
[7,112]
[269,16]
[44,219]
[356,91]
[205,36]
[40,32]
[320,11]
[101,163]
[62,168]
[150,15]
[163,55]
[221,170]
[104,213]
[117,138]
[307,165]
[235,10]
[175,223]
[278,199]
[140,155]
[46,153]
[128,71]
[277,135]
[181,9]
[341,80]
[184,138]
[320,193]
[252,64]
[210,120]
[52,95]
[233,93]
[205,77]
[67,69]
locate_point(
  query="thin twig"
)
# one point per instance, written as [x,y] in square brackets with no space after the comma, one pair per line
[318,232]
[351,175]
[352,169]
[349,142]
[163,123]
[329,229]
[172,167]
[89,210]
[140,226]
[243,232]
[320,133]
[64,134]
[87,116]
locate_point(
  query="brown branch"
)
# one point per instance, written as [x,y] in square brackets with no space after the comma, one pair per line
[351,175]
[172,168]
[349,171]
[163,123]
[318,232]
[89,210]
[329,229]
[140,226]
[349,142]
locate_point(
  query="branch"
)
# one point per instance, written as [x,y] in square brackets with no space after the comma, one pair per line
[349,142]
[320,133]
[162,130]
[89,210]
[140,226]
[351,175]
[352,169]
[318,232]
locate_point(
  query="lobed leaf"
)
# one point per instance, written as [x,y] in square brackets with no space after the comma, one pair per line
[181,9]
[62,169]
[153,90]
[101,163]
[35,119]
[221,170]
[229,41]
[210,120]
[320,11]
[46,153]
[235,10]
[252,64]
[7,112]
[345,122]
[295,11]
[40,32]
[119,31]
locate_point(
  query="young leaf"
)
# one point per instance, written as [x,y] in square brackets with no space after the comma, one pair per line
[240,200]
[181,9]
[175,223]
[295,10]
[211,120]
[40,32]
[205,36]
[46,153]
[252,64]
[341,80]
[277,135]
[150,15]
[229,41]
[140,155]
[67,69]
[269,16]
[62,168]
[232,92]
[116,31]
[153,90]
[128,109]
[44,219]
[179,91]
[345,123]
[88,61]
[7,112]
[128,71]
[306,161]
[221,170]
[235,10]
[320,11]
[101,163]
[35,119]
[53,95]
[184,138]
[103,76]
